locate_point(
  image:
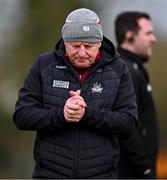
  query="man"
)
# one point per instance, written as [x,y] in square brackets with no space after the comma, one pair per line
[78,98]
[135,37]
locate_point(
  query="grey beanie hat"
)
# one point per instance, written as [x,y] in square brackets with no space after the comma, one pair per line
[82,25]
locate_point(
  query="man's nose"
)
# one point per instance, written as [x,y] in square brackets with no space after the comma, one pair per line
[154,39]
[82,51]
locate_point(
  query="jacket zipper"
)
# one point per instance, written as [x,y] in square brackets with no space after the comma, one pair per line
[75,172]
[77,142]
[75,175]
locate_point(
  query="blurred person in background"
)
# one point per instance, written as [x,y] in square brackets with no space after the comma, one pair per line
[135,36]
[78,98]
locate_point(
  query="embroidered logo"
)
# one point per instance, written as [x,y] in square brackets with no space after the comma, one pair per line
[135,66]
[99,70]
[86,28]
[61,84]
[97,88]
[61,67]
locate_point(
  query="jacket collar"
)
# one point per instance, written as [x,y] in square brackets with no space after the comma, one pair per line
[132,56]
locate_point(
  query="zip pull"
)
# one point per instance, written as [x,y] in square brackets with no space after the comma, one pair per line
[80,80]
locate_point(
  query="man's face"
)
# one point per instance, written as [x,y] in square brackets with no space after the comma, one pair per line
[145,38]
[82,54]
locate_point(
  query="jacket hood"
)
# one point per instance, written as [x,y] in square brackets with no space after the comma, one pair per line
[107,49]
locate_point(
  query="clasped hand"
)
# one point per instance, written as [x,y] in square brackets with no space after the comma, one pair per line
[74,108]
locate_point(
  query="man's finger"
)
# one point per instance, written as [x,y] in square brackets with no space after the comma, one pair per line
[73,93]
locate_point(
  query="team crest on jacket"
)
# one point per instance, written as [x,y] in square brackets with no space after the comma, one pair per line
[97,88]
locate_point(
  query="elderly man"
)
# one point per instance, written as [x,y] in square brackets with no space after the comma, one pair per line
[78,98]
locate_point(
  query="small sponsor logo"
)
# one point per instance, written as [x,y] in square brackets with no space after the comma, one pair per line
[61,84]
[61,67]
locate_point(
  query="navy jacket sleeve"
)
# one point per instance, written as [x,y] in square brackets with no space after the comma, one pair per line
[29,113]
[122,117]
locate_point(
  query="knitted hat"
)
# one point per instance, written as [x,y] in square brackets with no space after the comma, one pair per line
[82,25]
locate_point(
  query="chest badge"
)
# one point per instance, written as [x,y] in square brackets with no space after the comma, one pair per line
[61,84]
[97,88]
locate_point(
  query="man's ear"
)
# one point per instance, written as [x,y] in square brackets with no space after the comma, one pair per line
[130,37]
[99,45]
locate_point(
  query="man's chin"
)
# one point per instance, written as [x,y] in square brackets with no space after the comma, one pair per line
[82,67]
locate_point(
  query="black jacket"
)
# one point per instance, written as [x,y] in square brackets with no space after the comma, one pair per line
[139,153]
[88,149]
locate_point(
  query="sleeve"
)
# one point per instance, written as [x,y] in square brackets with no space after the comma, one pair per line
[122,117]
[29,112]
